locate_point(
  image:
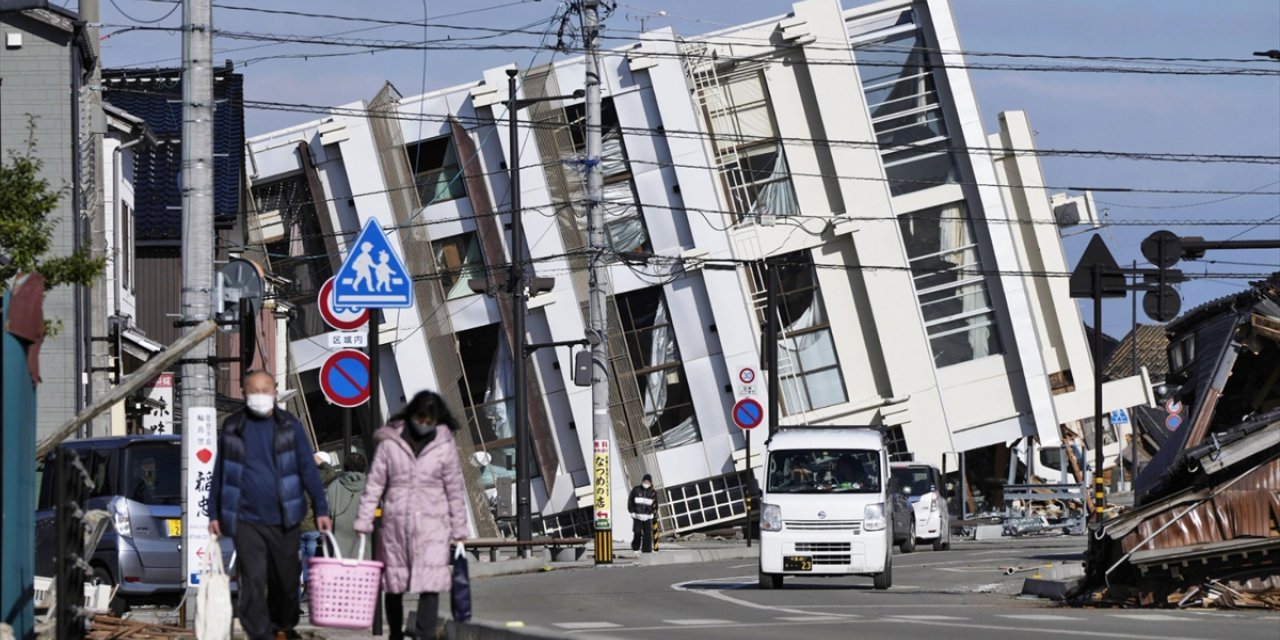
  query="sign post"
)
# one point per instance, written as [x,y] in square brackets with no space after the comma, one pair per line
[372,277]
[747,413]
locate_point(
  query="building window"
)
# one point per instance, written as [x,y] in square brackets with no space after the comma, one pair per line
[488,386]
[749,154]
[655,357]
[295,248]
[897,80]
[436,171]
[458,259]
[624,221]
[950,283]
[808,368]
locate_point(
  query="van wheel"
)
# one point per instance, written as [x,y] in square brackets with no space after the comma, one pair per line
[909,545]
[119,606]
[884,579]
[770,581]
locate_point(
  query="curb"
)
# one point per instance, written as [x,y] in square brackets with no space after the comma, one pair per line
[694,556]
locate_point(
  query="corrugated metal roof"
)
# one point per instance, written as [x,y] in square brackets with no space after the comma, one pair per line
[155,97]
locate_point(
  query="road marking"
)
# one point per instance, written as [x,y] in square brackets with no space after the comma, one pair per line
[1039,617]
[725,584]
[811,618]
[736,625]
[583,626]
[926,618]
[1150,617]
[1039,631]
[699,622]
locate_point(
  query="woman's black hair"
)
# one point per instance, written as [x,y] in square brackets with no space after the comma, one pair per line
[427,404]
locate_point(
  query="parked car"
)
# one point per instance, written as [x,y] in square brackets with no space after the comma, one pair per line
[920,485]
[138,481]
[828,508]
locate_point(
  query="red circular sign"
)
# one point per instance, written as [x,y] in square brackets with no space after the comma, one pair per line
[747,375]
[748,413]
[340,319]
[344,378]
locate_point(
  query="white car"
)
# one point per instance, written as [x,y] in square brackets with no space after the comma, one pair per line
[826,506]
[923,486]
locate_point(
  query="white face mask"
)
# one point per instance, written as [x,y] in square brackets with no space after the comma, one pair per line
[260,404]
[646,485]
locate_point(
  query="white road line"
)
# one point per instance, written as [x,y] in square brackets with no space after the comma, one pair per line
[719,594]
[812,618]
[1039,617]
[699,622]
[1036,631]
[1150,617]
[583,626]
[926,618]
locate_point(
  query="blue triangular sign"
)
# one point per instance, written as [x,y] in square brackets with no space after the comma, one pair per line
[373,276]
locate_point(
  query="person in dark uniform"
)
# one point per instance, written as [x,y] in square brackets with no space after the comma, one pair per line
[643,505]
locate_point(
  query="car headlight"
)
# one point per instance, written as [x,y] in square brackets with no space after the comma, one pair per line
[771,518]
[120,517]
[873,517]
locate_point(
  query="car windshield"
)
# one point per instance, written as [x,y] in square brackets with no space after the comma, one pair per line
[153,473]
[915,478]
[824,471]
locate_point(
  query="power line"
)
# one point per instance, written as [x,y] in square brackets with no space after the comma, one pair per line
[162,18]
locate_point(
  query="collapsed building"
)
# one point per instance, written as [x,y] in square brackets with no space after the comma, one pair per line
[1205,528]
[920,294]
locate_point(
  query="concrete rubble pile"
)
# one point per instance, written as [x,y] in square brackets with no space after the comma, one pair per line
[1205,527]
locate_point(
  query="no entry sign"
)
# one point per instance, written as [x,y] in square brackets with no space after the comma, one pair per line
[340,319]
[748,414]
[344,378]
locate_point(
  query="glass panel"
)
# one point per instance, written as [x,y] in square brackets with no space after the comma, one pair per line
[917,127]
[826,388]
[824,471]
[458,260]
[815,350]
[921,169]
[153,474]
[436,170]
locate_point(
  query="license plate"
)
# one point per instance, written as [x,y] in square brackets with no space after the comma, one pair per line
[797,563]
[175,527]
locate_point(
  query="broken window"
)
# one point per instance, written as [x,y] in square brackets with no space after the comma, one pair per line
[950,283]
[459,259]
[488,387]
[623,220]
[294,243]
[749,153]
[436,171]
[808,368]
[655,357]
[901,94]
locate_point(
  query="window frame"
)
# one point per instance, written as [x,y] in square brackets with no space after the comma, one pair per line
[451,275]
[632,338]
[424,179]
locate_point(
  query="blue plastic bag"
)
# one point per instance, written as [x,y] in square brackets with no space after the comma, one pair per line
[460,595]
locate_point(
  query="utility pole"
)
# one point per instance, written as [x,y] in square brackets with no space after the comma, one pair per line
[519,304]
[199,415]
[598,330]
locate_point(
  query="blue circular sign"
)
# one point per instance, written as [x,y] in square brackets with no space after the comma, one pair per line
[747,413]
[344,378]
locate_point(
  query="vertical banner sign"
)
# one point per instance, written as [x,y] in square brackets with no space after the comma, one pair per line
[602,500]
[159,415]
[202,450]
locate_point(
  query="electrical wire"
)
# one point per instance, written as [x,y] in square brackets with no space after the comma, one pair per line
[162,18]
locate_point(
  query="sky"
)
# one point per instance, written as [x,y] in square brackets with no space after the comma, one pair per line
[1115,112]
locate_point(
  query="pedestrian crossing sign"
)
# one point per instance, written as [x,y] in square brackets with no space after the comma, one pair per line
[373,276]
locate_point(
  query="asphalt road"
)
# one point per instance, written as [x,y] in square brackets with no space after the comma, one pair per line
[957,595]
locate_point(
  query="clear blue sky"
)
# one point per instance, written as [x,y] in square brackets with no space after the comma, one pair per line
[1124,112]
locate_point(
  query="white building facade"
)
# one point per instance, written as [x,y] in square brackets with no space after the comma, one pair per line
[919,291]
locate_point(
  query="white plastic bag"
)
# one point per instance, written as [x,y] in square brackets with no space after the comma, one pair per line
[214,612]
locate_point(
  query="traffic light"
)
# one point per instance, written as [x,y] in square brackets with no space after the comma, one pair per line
[1162,249]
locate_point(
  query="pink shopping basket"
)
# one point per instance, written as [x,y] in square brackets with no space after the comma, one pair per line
[343,592]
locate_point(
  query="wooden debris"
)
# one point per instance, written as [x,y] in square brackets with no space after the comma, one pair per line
[105,627]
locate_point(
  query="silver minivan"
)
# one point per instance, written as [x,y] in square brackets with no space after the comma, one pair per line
[138,481]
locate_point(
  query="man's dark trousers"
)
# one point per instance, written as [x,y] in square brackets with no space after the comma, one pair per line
[268,567]
[642,535]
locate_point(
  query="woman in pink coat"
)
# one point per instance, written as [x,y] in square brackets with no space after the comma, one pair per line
[417,478]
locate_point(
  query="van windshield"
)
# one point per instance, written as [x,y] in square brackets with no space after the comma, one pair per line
[153,473]
[917,479]
[824,471]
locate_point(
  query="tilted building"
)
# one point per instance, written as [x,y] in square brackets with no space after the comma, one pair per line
[922,289]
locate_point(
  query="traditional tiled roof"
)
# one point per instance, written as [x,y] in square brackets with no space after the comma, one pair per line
[156,97]
[1152,345]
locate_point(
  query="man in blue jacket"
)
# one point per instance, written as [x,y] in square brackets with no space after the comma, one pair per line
[261,481]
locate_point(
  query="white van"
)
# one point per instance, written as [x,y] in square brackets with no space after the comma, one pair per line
[826,505]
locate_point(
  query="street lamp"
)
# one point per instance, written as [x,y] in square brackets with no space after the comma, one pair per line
[520,303]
